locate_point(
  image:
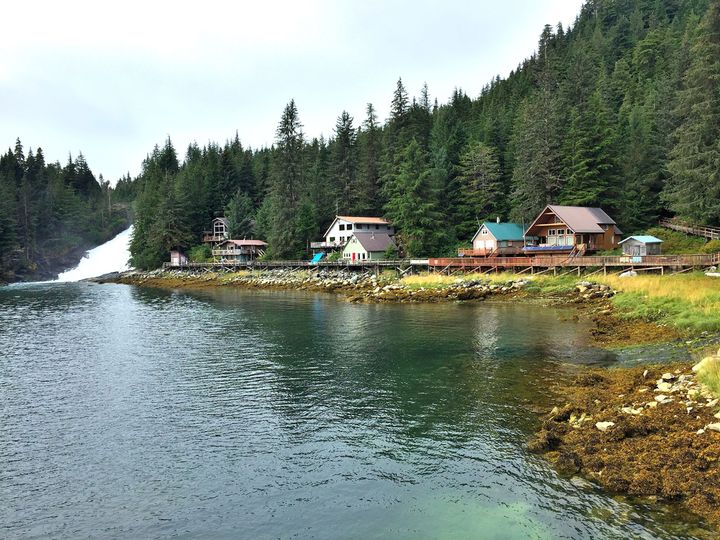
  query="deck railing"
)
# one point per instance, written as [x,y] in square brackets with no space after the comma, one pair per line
[712,233]
[554,260]
[647,261]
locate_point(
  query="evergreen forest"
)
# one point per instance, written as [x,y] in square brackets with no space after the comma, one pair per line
[51,214]
[621,111]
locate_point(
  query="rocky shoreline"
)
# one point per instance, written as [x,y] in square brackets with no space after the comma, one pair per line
[356,287]
[651,432]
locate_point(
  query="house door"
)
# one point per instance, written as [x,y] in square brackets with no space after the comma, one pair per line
[353,257]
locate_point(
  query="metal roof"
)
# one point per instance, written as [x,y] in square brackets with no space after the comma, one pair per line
[361,219]
[241,243]
[582,219]
[357,219]
[371,241]
[645,239]
[502,231]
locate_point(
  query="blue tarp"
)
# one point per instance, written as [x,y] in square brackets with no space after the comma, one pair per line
[547,248]
[316,258]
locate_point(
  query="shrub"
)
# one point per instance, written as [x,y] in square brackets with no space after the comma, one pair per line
[677,243]
[200,254]
[390,252]
[713,246]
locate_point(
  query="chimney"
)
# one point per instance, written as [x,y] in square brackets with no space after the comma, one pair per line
[497,219]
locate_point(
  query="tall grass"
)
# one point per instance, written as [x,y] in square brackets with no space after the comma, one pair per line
[688,301]
[542,283]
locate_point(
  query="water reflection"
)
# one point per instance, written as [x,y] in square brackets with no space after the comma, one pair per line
[227,413]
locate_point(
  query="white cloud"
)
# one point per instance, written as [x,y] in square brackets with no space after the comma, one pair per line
[113,79]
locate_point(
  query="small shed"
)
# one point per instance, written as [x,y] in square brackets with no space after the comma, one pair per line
[178,258]
[641,245]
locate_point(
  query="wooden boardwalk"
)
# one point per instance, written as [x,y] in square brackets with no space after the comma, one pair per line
[711,233]
[402,266]
[580,264]
[535,265]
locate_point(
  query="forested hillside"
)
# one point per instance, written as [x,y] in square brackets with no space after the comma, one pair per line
[621,111]
[50,215]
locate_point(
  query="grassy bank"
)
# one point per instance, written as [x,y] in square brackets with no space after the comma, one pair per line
[536,284]
[688,302]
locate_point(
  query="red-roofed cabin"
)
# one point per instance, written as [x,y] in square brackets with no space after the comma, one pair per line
[567,229]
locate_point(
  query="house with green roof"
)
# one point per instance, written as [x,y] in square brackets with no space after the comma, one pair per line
[496,239]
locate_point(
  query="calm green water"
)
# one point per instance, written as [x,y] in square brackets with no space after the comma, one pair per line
[139,413]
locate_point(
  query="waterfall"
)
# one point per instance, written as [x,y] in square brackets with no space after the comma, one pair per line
[112,256]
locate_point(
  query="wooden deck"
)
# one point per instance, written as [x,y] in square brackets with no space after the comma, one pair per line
[711,233]
[403,266]
[556,264]
[579,264]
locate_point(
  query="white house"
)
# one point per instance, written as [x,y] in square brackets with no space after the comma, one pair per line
[343,227]
[367,246]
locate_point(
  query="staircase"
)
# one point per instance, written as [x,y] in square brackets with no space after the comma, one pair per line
[711,233]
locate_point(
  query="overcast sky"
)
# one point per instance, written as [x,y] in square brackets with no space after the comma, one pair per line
[112,79]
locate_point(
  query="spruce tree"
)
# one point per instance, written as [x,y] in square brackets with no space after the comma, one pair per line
[414,203]
[369,164]
[480,187]
[286,182]
[345,163]
[240,215]
[693,189]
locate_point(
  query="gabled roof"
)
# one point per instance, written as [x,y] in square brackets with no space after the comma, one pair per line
[357,219]
[645,239]
[361,219]
[243,243]
[581,219]
[374,241]
[221,219]
[502,231]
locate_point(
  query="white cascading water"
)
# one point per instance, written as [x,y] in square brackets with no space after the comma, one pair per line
[112,256]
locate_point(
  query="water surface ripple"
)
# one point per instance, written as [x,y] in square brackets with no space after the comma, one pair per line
[137,413]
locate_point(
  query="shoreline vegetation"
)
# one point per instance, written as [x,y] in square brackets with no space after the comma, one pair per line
[651,432]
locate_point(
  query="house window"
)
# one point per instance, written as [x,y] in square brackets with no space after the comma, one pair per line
[349,226]
[560,232]
[332,239]
[358,226]
[551,232]
[342,227]
[484,231]
[377,227]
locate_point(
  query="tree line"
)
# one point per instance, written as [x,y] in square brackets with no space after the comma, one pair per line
[622,111]
[50,214]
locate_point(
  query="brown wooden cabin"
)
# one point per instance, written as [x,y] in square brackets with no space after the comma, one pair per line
[219,233]
[239,250]
[572,230]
